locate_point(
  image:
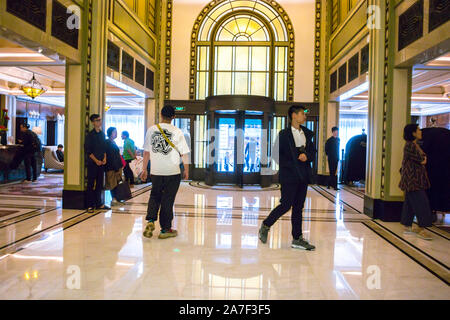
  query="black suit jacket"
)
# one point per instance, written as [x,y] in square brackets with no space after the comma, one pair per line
[286,155]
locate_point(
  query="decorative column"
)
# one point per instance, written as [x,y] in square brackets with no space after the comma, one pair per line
[321,80]
[389,111]
[85,95]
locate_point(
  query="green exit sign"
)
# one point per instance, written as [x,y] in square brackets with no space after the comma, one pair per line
[180,108]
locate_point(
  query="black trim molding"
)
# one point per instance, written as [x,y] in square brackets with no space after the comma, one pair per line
[77,200]
[113,56]
[31,11]
[60,29]
[388,211]
[127,65]
[439,13]
[333,82]
[364,66]
[342,76]
[353,67]
[410,25]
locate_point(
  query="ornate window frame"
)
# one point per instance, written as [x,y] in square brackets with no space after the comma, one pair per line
[210,8]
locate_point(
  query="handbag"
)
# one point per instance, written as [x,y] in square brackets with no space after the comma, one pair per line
[122,191]
[124,163]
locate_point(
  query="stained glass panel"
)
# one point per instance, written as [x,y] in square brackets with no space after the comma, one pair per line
[240,83]
[260,58]
[242,58]
[223,83]
[224,58]
[259,84]
[224,35]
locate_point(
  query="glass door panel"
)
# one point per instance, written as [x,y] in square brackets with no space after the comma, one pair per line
[185,125]
[226,153]
[252,141]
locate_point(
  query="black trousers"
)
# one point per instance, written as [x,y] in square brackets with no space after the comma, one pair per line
[129,177]
[293,196]
[96,176]
[416,204]
[162,198]
[30,164]
[332,180]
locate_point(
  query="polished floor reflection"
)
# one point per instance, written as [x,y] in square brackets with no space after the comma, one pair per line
[50,253]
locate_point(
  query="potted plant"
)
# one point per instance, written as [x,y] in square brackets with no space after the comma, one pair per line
[3,125]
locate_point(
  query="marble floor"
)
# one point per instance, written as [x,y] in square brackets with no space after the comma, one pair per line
[50,253]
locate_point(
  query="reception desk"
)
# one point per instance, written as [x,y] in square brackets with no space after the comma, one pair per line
[12,167]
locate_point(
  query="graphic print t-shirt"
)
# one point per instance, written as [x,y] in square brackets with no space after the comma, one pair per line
[165,160]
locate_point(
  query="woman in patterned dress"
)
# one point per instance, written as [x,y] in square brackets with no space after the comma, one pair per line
[414,182]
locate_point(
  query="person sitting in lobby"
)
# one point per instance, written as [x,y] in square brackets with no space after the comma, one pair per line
[60,153]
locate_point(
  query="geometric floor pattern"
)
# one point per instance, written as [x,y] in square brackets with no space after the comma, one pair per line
[50,253]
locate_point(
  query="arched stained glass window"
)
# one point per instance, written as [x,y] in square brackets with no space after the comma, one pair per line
[242,47]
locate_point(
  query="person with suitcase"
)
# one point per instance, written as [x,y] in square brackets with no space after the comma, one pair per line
[113,166]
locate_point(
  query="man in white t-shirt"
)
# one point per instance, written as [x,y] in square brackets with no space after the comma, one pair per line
[164,146]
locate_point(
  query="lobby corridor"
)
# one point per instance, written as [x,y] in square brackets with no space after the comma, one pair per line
[50,253]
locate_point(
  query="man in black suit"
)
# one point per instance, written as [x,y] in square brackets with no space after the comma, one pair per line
[294,152]
[332,151]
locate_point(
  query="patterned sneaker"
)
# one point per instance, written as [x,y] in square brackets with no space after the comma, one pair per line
[263,233]
[424,235]
[301,243]
[90,210]
[167,234]
[148,232]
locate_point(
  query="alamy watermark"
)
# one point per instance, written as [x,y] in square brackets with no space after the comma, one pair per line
[73,281]
[73,22]
[374,279]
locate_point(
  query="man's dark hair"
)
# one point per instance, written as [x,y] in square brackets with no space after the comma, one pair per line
[110,131]
[409,130]
[126,134]
[334,129]
[168,112]
[25,125]
[94,117]
[295,109]
[60,146]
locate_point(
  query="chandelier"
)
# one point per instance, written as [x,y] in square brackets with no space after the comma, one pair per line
[33,88]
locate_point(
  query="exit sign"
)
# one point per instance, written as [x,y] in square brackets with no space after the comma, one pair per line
[180,108]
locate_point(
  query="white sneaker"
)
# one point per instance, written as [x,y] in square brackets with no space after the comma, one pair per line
[408,230]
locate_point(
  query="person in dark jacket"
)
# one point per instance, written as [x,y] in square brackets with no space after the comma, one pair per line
[95,149]
[60,153]
[114,164]
[31,145]
[414,182]
[332,151]
[294,152]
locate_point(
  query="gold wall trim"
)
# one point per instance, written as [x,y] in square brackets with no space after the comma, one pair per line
[88,57]
[168,51]
[125,21]
[347,19]
[317,35]
[350,29]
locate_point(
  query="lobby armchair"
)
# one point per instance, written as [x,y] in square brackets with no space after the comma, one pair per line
[51,160]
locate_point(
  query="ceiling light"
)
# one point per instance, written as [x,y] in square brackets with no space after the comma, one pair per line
[33,88]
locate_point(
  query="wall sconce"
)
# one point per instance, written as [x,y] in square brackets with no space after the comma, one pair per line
[34,114]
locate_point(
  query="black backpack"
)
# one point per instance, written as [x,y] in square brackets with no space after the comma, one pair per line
[35,142]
